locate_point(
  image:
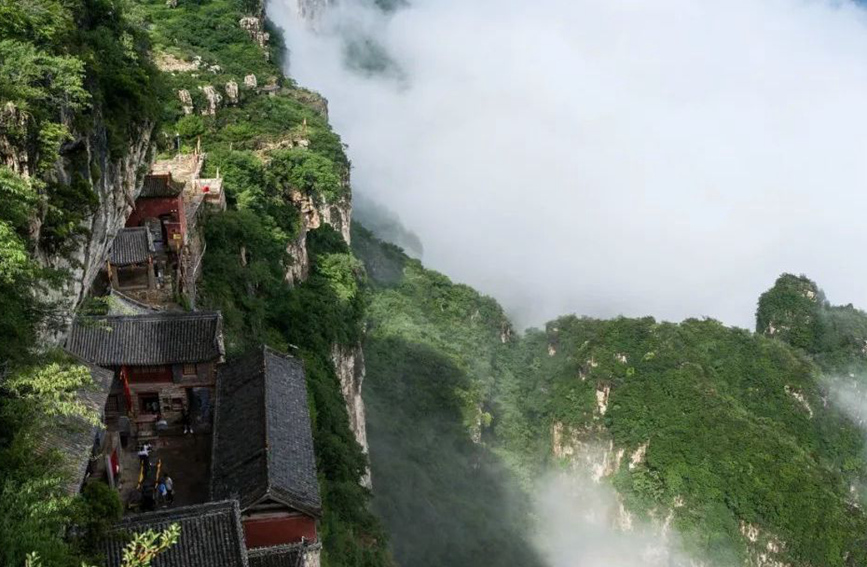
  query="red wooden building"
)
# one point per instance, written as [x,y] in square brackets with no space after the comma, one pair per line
[160,207]
[163,362]
[263,449]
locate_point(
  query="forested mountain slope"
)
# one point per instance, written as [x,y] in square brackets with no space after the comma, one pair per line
[726,435]
[431,348]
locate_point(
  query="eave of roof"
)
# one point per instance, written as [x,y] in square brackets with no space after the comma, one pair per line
[148,339]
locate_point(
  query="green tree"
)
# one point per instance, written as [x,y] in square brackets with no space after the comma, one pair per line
[140,552]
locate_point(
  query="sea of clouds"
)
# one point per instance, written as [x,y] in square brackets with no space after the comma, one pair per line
[609,157]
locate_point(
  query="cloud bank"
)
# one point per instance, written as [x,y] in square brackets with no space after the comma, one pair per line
[581,524]
[610,157]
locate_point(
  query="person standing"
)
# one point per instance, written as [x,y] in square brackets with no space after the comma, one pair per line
[187,420]
[170,489]
[162,492]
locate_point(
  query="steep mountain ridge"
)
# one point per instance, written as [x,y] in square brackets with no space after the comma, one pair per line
[722,436]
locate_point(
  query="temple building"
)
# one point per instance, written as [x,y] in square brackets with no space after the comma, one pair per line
[160,208]
[263,452]
[164,363]
[131,264]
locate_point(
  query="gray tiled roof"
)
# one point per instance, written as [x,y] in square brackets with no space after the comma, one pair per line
[132,246]
[152,339]
[277,556]
[263,444]
[160,185]
[211,536]
[74,437]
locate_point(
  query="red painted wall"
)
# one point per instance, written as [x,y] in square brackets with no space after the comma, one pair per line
[154,207]
[265,532]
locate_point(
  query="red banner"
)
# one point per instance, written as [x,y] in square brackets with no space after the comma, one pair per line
[127,394]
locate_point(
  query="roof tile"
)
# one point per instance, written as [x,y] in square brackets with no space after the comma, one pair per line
[132,246]
[263,443]
[211,536]
[151,339]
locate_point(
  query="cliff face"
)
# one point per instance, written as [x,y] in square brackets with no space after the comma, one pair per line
[116,187]
[593,459]
[313,214]
[115,182]
[349,365]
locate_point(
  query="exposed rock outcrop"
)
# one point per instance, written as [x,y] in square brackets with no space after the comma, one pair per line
[18,141]
[799,397]
[338,215]
[232,92]
[255,27]
[170,64]
[590,455]
[214,99]
[312,100]
[186,100]
[250,81]
[349,366]
[602,394]
[313,215]
[299,269]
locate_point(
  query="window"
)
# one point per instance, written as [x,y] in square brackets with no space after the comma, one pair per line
[146,374]
[112,404]
[189,369]
[149,403]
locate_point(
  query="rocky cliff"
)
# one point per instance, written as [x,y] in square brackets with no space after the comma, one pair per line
[116,185]
[84,158]
[349,365]
[593,460]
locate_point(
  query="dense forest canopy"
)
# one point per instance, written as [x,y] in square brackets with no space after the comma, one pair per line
[733,428]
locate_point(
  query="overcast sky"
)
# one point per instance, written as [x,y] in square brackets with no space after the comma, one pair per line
[607,157]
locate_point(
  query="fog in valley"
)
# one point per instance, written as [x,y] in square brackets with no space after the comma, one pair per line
[583,524]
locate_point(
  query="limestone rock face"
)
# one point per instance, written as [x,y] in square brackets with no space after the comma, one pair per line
[186,100]
[312,100]
[171,64]
[349,366]
[116,188]
[299,269]
[254,26]
[338,215]
[250,81]
[591,458]
[214,99]
[17,140]
[232,92]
